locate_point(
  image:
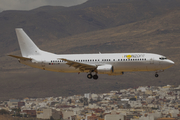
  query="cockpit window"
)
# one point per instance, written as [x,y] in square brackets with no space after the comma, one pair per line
[162,58]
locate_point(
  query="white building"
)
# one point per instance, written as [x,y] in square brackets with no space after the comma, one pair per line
[135,104]
[45,114]
[68,114]
[87,95]
[114,117]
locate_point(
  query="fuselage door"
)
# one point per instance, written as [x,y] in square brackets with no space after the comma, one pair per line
[43,64]
[151,61]
[151,67]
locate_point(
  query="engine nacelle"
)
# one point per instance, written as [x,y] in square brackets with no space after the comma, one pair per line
[105,69]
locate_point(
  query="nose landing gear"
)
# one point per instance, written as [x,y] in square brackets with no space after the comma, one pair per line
[156,74]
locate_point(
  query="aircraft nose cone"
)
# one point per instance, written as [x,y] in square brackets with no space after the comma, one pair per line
[167,64]
[170,63]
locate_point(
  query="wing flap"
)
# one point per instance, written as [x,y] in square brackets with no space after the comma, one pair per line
[78,65]
[19,57]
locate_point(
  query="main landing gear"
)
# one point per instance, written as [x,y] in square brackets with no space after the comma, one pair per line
[90,76]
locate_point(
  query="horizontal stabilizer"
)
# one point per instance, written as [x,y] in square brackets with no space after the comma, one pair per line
[18,57]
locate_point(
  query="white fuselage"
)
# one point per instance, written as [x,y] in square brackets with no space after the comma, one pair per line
[107,63]
[120,61]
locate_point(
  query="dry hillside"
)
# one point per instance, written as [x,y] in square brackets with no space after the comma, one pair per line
[89,28]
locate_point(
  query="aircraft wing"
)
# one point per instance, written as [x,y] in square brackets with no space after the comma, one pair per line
[80,66]
[18,57]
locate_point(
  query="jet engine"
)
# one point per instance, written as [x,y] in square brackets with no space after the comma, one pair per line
[105,69]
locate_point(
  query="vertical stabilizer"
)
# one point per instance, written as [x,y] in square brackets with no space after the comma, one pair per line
[27,46]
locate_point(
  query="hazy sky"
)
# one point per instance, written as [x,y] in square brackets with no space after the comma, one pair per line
[31,4]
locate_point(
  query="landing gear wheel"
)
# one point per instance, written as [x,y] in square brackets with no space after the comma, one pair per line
[95,77]
[89,76]
[156,75]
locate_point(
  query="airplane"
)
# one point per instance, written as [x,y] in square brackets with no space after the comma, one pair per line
[92,64]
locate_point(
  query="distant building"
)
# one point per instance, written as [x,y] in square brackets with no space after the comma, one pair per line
[145,117]
[94,96]
[13,103]
[167,119]
[87,95]
[56,115]
[135,104]
[44,114]
[114,117]
[67,114]
[20,104]
[30,113]
[92,118]
[74,117]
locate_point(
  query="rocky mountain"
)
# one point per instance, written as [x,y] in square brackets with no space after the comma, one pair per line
[97,25]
